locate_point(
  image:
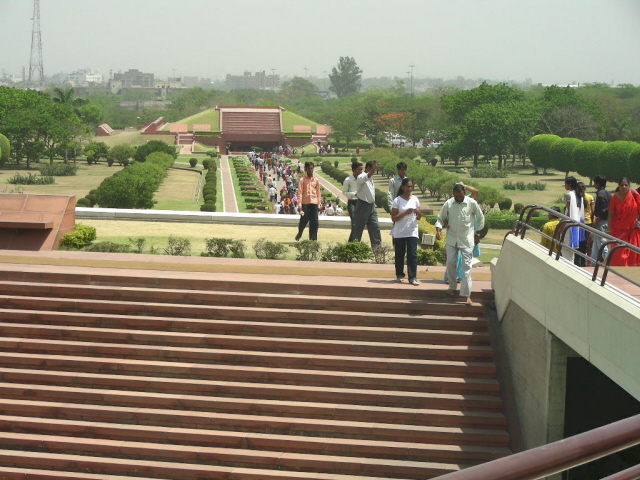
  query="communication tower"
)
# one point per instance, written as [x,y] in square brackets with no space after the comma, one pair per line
[36,68]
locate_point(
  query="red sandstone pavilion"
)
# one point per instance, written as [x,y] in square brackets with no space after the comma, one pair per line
[240,128]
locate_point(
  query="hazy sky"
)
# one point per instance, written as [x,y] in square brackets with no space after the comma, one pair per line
[549,41]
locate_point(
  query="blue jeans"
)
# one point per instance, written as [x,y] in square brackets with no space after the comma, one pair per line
[408,245]
[597,241]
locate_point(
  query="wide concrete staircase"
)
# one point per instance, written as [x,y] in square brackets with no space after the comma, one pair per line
[114,374]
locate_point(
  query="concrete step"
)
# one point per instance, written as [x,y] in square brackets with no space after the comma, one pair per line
[131,468]
[248,406]
[253,441]
[194,374]
[281,425]
[447,360]
[243,299]
[395,321]
[246,342]
[277,329]
[388,398]
[349,317]
[264,459]
[122,278]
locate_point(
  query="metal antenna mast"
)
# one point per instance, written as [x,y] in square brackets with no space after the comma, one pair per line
[35,60]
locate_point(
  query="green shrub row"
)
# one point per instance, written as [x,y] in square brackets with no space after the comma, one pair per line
[509,185]
[81,236]
[251,189]
[58,169]
[210,188]
[30,179]
[135,185]
[487,171]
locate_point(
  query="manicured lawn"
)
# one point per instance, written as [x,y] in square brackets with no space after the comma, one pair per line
[210,117]
[133,138]
[289,119]
[87,178]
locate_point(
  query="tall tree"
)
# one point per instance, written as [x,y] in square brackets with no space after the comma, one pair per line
[297,88]
[346,124]
[346,78]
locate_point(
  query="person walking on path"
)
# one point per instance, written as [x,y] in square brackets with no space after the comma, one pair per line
[366,213]
[350,190]
[395,181]
[310,198]
[461,215]
[405,213]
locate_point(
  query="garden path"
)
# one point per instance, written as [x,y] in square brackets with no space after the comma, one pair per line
[229,202]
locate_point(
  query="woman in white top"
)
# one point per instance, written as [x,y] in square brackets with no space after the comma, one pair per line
[574,208]
[405,213]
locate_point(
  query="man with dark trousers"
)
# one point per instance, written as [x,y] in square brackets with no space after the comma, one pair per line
[350,190]
[366,213]
[310,198]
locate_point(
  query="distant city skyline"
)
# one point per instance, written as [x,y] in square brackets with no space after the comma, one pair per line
[561,41]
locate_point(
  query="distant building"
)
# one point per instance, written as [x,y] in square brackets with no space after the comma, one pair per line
[84,77]
[134,78]
[190,81]
[257,81]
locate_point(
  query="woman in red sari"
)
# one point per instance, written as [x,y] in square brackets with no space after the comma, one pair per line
[624,211]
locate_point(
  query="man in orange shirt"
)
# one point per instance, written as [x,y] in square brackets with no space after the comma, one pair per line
[309,198]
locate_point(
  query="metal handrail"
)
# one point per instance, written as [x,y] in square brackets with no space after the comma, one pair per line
[558,456]
[557,241]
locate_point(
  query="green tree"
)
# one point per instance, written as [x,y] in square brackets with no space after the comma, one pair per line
[66,96]
[121,153]
[5,149]
[562,154]
[565,113]
[585,157]
[297,88]
[154,146]
[346,124]
[480,118]
[346,78]
[539,148]
[634,165]
[96,150]
[614,159]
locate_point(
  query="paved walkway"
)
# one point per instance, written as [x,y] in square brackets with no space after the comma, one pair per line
[229,201]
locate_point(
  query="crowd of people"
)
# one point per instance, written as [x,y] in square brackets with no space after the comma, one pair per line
[617,214]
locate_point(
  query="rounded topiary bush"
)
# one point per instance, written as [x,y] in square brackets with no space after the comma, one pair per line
[84,202]
[193,162]
[5,149]
[539,148]
[505,204]
[585,158]
[93,198]
[613,160]
[210,198]
[634,165]
[517,208]
[205,163]
[208,207]
[562,154]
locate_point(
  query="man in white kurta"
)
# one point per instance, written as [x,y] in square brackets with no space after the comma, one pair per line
[461,216]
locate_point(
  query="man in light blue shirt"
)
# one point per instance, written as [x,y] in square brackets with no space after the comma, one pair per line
[461,216]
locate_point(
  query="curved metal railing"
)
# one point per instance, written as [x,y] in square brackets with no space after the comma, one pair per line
[609,243]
